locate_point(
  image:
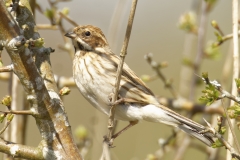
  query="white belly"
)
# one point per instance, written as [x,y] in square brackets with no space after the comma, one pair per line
[97,90]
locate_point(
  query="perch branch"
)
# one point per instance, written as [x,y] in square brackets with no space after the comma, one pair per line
[228,146]
[119,73]
[24,112]
[8,68]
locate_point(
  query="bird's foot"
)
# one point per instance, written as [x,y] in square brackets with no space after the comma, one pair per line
[109,141]
[119,101]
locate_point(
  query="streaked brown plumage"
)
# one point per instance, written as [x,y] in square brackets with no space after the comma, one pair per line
[94,71]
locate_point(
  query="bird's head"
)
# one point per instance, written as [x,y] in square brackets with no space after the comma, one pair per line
[88,38]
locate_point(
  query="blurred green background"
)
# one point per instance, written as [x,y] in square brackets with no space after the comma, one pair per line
[155,30]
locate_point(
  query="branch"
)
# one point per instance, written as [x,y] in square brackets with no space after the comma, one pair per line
[194,108]
[119,72]
[232,137]
[47,26]
[64,81]
[68,19]
[9,120]
[21,151]
[8,68]
[120,66]
[225,38]
[24,112]
[217,134]
[156,67]
[35,74]
[200,46]
[224,94]
[218,86]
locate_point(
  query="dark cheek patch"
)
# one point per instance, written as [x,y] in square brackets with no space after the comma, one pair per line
[80,46]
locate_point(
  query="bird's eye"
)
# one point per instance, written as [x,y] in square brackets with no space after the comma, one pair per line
[87,33]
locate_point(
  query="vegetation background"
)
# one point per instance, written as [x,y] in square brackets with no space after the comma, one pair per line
[155,30]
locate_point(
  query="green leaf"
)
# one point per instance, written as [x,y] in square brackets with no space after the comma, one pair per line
[212,52]
[49,13]
[188,62]
[234,111]
[10,117]
[39,42]
[2,117]
[210,95]
[65,11]
[222,130]
[6,101]
[237,81]
[217,144]
[187,22]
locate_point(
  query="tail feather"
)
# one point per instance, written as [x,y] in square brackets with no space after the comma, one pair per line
[206,138]
[192,128]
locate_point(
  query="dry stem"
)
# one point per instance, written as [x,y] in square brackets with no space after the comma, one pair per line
[119,71]
[200,46]
[232,137]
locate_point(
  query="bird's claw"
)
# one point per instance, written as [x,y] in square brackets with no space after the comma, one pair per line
[119,101]
[109,142]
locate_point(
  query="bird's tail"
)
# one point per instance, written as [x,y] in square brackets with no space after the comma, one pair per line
[206,138]
[162,114]
[192,128]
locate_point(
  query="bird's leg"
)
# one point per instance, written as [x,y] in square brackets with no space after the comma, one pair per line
[131,123]
[119,101]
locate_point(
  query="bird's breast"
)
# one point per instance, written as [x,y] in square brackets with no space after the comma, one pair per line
[93,80]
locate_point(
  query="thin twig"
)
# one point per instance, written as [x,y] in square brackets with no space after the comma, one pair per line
[64,81]
[231,128]
[23,112]
[47,26]
[68,19]
[120,66]
[228,146]
[225,38]
[189,106]
[225,94]
[5,127]
[200,46]
[119,72]
[156,67]
[8,68]
[232,137]
[181,150]
[106,153]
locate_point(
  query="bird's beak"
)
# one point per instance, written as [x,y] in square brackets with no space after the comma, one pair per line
[71,35]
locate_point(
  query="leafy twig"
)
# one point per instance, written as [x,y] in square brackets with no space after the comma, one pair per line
[156,67]
[224,94]
[225,38]
[218,86]
[218,135]
[232,137]
[9,119]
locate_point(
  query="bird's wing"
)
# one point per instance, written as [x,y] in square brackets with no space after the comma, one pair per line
[132,88]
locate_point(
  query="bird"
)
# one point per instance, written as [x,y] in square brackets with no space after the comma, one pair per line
[94,72]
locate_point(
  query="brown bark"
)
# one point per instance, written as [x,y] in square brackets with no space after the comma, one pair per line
[33,68]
